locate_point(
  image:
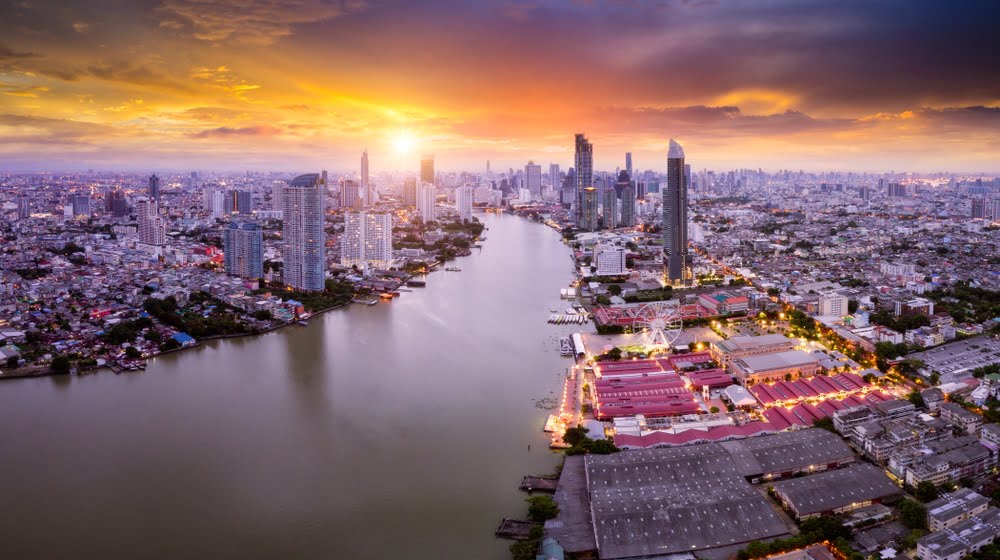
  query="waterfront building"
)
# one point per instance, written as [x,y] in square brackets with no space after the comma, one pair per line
[367,240]
[154,188]
[463,202]
[243,244]
[583,164]
[427,169]
[588,209]
[426,201]
[533,180]
[303,233]
[675,246]
[609,260]
[152,229]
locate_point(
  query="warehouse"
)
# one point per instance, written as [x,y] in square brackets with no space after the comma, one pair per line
[836,491]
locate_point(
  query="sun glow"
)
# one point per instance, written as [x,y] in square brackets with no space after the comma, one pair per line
[404,143]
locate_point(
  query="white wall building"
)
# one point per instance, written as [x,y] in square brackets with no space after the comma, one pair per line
[833,305]
[463,202]
[426,200]
[367,240]
[609,260]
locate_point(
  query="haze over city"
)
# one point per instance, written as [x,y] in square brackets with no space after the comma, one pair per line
[840,85]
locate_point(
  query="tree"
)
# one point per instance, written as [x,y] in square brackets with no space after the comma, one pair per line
[926,492]
[917,399]
[714,410]
[542,508]
[913,514]
[60,364]
[934,378]
[132,352]
[12,361]
[825,423]
[262,315]
[575,436]
[615,289]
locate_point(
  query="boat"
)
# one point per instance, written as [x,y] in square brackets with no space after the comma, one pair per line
[416,283]
[452,269]
[553,310]
[302,323]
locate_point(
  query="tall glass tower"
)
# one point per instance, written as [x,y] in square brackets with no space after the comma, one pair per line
[303,233]
[583,163]
[675,239]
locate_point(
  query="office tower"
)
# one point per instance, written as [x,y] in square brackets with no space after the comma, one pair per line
[427,169]
[628,205]
[583,163]
[23,207]
[426,201]
[239,202]
[303,233]
[687,176]
[610,212]
[533,180]
[978,208]
[243,244]
[675,249]
[154,188]
[365,185]
[81,205]
[554,176]
[897,190]
[119,205]
[588,209]
[463,202]
[367,240]
[410,191]
[350,195]
[628,163]
[152,229]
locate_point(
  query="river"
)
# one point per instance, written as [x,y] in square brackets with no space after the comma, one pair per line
[399,430]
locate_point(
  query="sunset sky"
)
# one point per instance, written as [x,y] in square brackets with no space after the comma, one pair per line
[304,84]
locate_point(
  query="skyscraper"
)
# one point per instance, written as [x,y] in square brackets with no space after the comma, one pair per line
[365,185]
[152,229]
[81,205]
[427,169]
[588,209]
[154,188]
[610,210]
[583,163]
[463,202]
[426,201]
[628,205]
[303,233]
[410,191]
[239,202]
[866,194]
[978,208]
[23,207]
[554,176]
[675,249]
[628,163]
[533,180]
[367,240]
[243,244]
[115,203]
[350,197]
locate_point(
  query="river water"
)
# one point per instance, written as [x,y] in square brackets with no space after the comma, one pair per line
[399,430]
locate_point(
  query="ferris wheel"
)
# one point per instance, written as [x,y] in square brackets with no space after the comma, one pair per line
[658,323]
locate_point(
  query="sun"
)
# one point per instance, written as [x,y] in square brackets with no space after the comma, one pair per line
[404,142]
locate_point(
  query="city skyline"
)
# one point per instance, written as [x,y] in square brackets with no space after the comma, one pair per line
[868,86]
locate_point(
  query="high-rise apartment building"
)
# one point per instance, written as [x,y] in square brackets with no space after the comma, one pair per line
[115,203]
[238,202]
[589,209]
[675,249]
[427,169]
[154,188]
[978,208]
[350,195]
[151,226]
[609,210]
[243,244]
[628,163]
[81,206]
[583,163]
[463,202]
[410,191]
[426,201]
[628,206]
[555,176]
[23,207]
[533,180]
[303,233]
[866,194]
[277,190]
[365,184]
[367,240]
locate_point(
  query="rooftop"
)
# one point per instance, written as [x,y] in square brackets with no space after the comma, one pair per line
[832,490]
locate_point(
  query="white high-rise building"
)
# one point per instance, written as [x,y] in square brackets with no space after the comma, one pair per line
[426,200]
[609,260]
[302,230]
[152,229]
[463,202]
[833,305]
[215,202]
[366,190]
[277,194]
[533,180]
[367,240]
[554,176]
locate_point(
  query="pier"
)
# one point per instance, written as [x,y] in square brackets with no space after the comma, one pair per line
[539,484]
[515,529]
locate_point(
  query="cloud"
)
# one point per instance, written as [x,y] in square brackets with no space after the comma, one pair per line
[223,78]
[257,22]
[230,132]
[28,129]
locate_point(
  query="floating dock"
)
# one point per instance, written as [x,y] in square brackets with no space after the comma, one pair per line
[539,484]
[515,529]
